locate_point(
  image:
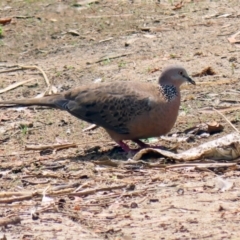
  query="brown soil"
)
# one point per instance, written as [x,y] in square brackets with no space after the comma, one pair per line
[114,40]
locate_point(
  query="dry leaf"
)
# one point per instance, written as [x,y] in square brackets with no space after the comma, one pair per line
[73,32]
[178,6]
[154,70]
[211,128]
[233,39]
[225,148]
[5,21]
[214,127]
[205,72]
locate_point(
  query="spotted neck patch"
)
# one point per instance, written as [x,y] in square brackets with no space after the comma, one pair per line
[169,92]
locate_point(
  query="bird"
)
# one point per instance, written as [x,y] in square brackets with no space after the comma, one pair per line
[129,110]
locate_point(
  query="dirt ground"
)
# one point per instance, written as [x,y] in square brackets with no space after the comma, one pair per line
[87,190]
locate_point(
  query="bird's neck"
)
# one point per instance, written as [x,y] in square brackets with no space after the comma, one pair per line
[169,92]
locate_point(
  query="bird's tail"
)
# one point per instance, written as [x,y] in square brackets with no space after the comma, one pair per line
[49,100]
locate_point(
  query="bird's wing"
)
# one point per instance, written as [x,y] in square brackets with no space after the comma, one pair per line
[110,106]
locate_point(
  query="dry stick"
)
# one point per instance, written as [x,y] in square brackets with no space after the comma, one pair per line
[10,194]
[61,192]
[11,70]
[110,57]
[232,39]
[15,85]
[39,69]
[16,199]
[226,120]
[92,142]
[91,127]
[52,146]
[35,182]
[93,191]
[202,165]
[64,186]
[222,109]
[21,67]
[105,40]
[13,154]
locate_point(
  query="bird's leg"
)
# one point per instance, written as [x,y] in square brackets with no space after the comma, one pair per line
[124,146]
[141,144]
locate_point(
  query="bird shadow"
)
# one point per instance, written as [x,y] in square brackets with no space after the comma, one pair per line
[115,153]
[97,153]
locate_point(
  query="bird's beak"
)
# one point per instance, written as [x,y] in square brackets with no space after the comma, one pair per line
[190,80]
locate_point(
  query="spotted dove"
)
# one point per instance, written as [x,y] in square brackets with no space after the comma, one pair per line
[127,110]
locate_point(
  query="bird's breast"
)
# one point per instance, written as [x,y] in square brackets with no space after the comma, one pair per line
[158,121]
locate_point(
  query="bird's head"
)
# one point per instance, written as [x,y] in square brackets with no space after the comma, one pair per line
[175,75]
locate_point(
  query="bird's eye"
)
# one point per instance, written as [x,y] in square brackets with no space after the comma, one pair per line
[181,73]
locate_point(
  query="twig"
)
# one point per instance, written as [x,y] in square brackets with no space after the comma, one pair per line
[226,119]
[15,85]
[11,70]
[22,67]
[201,165]
[52,146]
[16,199]
[61,192]
[110,57]
[105,40]
[35,182]
[39,69]
[232,39]
[10,194]
[89,128]
[93,191]
[222,109]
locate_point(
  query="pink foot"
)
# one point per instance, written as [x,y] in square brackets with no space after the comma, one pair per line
[141,144]
[124,146]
